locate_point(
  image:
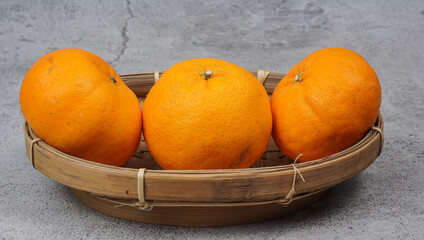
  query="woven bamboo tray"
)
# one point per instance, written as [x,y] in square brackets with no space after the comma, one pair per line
[142,191]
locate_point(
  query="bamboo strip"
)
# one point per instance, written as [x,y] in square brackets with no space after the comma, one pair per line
[253,184]
[197,216]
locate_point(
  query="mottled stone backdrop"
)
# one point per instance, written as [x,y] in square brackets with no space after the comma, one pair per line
[383,202]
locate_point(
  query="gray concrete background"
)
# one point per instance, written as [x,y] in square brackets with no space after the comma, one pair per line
[383,202]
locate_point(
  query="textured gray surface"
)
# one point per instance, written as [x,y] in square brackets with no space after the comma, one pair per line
[383,202]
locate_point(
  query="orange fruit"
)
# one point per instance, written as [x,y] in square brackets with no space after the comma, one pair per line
[207,114]
[325,104]
[77,103]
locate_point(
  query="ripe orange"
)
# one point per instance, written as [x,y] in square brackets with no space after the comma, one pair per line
[196,119]
[325,104]
[77,103]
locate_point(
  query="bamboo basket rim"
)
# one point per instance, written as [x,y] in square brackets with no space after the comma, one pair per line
[213,175]
[31,135]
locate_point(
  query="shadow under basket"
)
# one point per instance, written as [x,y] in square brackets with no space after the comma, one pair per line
[141,191]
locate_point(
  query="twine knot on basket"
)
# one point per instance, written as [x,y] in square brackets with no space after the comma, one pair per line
[289,197]
[156,75]
[31,151]
[141,204]
[262,75]
[379,130]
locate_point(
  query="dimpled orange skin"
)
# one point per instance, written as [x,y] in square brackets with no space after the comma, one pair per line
[330,109]
[70,100]
[193,123]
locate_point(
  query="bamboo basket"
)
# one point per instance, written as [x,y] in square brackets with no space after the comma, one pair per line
[142,191]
